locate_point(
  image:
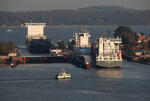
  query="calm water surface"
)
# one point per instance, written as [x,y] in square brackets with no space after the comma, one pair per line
[64,32]
[36,82]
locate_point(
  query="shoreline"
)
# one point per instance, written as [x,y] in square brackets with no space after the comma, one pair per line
[140,59]
[70,25]
[3,65]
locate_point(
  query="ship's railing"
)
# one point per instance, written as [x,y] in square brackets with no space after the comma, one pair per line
[101,58]
[27,24]
[29,38]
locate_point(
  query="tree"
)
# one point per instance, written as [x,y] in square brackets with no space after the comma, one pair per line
[6,47]
[128,38]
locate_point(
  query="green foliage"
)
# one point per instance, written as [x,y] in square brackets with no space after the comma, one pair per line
[6,47]
[122,31]
[97,15]
[128,38]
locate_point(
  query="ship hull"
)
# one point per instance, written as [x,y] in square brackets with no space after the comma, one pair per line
[83,61]
[108,64]
[38,46]
[84,50]
[82,57]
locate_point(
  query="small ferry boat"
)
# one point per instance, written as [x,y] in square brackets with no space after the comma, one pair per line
[63,75]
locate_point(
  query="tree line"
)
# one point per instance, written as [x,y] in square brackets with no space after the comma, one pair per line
[97,15]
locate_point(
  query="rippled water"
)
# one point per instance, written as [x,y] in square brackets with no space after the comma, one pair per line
[36,82]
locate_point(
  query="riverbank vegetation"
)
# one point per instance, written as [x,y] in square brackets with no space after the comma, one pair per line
[128,38]
[134,44]
[6,47]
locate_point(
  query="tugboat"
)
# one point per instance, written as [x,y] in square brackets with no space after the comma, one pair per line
[63,75]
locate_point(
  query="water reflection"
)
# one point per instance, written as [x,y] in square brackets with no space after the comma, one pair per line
[64,81]
[110,72]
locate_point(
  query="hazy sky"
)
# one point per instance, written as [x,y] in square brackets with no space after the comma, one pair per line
[35,5]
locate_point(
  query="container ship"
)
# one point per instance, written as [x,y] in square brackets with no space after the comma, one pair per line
[82,42]
[82,49]
[109,52]
[36,41]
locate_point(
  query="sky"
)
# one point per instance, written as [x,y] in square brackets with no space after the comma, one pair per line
[38,5]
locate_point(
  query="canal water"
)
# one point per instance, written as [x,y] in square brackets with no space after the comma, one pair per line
[36,82]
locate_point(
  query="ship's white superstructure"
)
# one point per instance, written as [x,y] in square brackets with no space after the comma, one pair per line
[109,53]
[36,41]
[35,31]
[82,39]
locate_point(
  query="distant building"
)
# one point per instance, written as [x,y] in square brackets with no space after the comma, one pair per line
[141,38]
[12,54]
[139,52]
